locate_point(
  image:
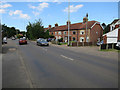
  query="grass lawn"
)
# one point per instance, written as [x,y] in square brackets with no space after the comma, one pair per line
[108,50]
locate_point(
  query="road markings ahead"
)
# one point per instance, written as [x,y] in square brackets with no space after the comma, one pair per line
[67,57]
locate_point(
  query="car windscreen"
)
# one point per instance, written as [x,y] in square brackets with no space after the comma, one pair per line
[22,39]
[43,40]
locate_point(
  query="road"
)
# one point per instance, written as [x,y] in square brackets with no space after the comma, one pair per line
[54,67]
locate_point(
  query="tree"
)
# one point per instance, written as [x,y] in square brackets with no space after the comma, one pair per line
[103,25]
[107,29]
[35,30]
[9,31]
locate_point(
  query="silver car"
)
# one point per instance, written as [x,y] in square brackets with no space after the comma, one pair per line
[4,40]
[42,42]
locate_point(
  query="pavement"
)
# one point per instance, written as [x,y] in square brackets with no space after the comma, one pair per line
[26,66]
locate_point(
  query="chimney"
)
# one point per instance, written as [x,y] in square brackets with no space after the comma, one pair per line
[56,25]
[68,22]
[85,19]
[49,26]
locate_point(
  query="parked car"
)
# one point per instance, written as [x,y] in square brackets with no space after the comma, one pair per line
[99,43]
[42,42]
[22,41]
[118,44]
[39,39]
[4,41]
[13,38]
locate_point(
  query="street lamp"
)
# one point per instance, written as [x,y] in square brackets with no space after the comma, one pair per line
[68,21]
[86,25]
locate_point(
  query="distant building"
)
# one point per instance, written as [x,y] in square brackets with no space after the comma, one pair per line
[78,31]
[114,35]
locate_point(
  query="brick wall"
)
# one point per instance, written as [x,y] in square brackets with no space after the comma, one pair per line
[95,33]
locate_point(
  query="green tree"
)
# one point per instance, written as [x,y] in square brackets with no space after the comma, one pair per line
[107,29]
[35,30]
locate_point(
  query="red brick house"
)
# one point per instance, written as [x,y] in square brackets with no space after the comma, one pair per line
[78,31]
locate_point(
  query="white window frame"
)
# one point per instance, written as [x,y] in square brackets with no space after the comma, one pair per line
[55,33]
[81,32]
[87,39]
[82,38]
[59,33]
[59,37]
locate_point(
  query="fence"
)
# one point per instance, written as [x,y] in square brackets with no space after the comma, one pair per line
[108,46]
[83,44]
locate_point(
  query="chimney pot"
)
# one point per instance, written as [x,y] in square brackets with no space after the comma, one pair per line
[49,26]
[68,22]
[56,24]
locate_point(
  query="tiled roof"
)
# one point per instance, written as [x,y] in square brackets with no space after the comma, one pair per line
[115,21]
[75,26]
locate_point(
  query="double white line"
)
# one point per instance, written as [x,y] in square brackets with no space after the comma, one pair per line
[67,57]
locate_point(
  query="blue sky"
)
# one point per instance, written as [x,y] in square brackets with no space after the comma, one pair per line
[18,14]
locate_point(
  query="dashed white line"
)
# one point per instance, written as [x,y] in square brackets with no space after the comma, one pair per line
[67,57]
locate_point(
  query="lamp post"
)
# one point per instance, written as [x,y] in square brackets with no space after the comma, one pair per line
[86,25]
[68,21]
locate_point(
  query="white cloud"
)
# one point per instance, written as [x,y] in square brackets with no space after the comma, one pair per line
[20,14]
[40,7]
[2,11]
[36,13]
[73,8]
[5,5]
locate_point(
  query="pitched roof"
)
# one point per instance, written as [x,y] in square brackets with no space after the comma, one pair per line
[75,26]
[115,21]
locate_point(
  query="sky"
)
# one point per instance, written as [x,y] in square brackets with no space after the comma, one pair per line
[18,14]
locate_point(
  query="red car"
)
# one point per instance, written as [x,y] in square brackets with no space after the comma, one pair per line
[22,41]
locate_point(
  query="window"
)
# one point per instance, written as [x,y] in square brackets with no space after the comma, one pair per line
[82,32]
[74,32]
[87,39]
[81,39]
[55,33]
[59,33]
[74,38]
[59,37]
[56,37]
[65,32]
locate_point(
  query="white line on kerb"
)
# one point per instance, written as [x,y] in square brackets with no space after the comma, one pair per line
[67,57]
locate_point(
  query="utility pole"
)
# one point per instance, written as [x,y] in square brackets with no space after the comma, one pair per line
[68,21]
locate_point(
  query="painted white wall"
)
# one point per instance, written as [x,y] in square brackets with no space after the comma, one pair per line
[112,36]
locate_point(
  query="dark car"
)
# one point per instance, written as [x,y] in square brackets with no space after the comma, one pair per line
[22,41]
[42,42]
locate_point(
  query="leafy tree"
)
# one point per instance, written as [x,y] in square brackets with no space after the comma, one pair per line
[35,30]
[107,29]
[9,31]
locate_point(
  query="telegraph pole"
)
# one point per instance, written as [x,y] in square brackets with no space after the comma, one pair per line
[68,21]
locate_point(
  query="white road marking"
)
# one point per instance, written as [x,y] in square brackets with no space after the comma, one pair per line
[67,57]
[44,48]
